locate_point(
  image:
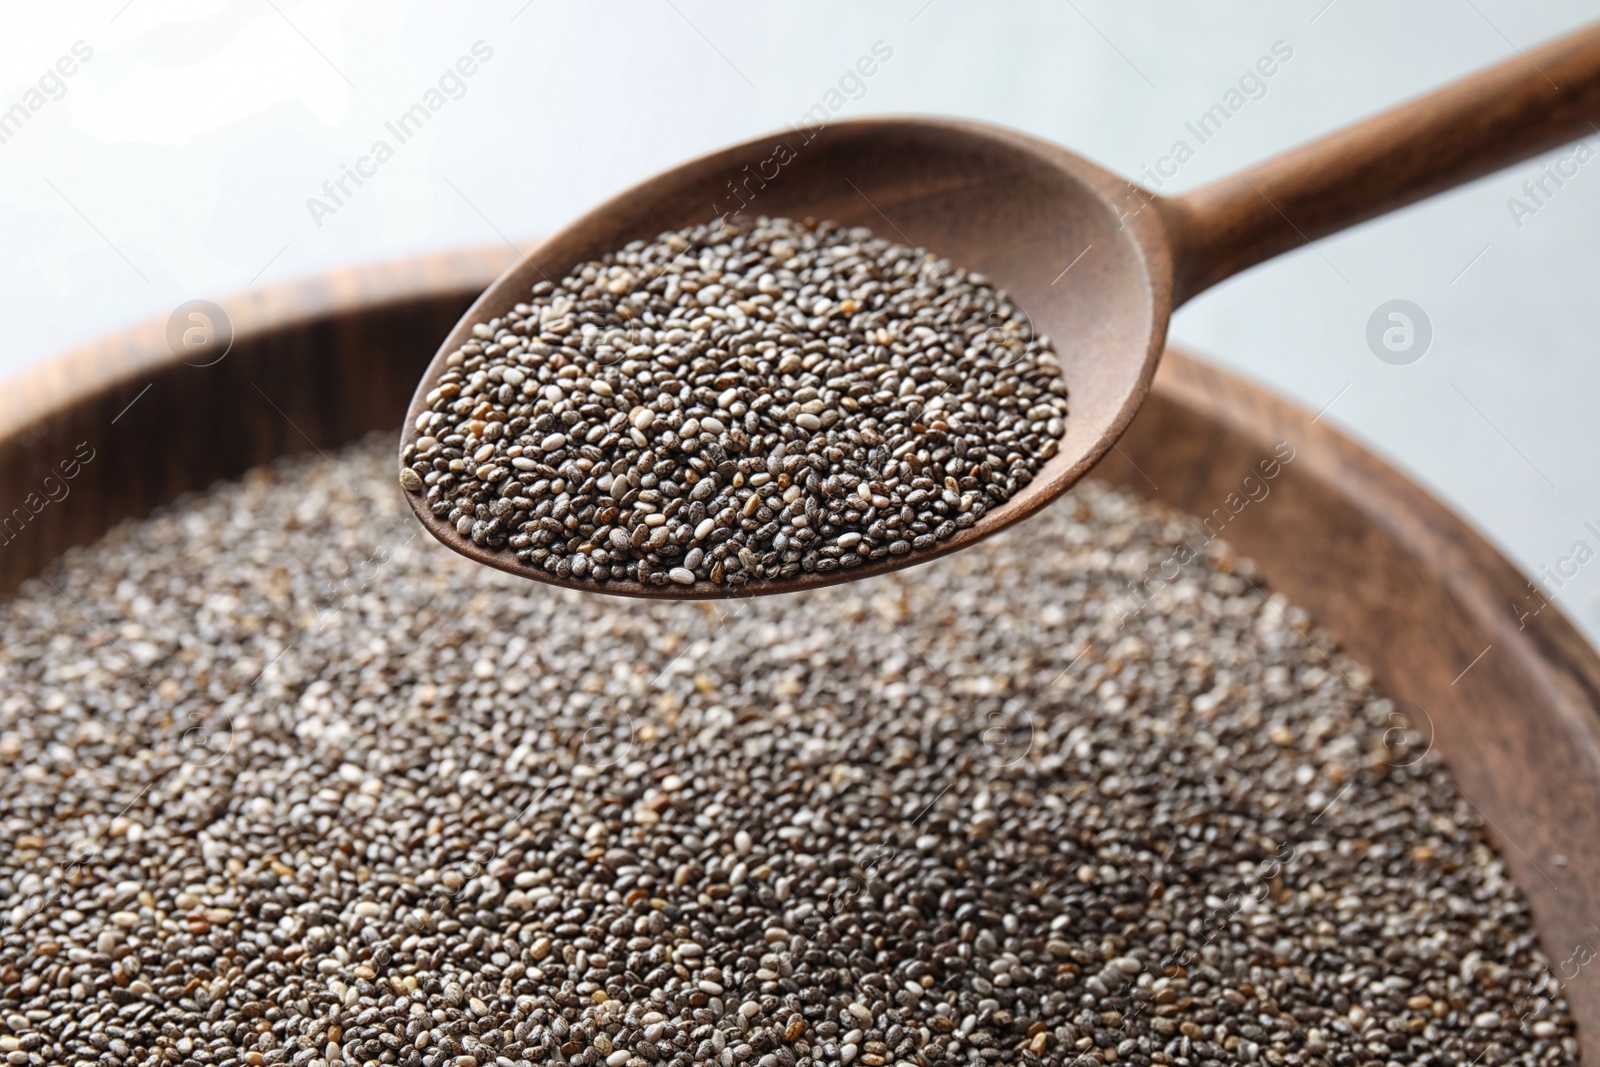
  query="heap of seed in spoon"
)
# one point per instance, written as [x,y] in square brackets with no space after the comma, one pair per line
[285,781]
[726,405]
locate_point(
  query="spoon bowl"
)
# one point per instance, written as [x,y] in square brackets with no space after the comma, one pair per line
[1096,262]
[1054,230]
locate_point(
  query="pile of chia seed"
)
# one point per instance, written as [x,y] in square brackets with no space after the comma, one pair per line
[284,781]
[724,405]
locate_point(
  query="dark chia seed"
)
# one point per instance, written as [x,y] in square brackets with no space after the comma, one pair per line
[300,786]
[723,405]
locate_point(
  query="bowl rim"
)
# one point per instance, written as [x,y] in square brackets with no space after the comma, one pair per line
[1408,587]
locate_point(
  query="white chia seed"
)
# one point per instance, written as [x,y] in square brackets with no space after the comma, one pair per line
[284,781]
[820,396]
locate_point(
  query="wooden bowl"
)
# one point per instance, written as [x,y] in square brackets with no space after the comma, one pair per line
[1447,625]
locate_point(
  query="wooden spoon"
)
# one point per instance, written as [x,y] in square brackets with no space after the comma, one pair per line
[1098,262]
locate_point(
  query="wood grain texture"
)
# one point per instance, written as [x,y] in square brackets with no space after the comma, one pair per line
[1407,587]
[1023,211]
[1511,700]
[313,364]
[1010,206]
[1527,104]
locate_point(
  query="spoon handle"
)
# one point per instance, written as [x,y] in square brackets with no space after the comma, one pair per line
[1526,105]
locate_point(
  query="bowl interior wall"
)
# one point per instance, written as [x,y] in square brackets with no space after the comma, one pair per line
[1508,698]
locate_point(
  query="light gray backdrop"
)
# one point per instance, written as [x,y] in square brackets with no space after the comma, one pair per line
[178,159]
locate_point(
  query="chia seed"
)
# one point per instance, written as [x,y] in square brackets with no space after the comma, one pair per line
[738,405]
[284,781]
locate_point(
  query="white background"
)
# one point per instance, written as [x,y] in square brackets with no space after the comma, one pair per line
[179,160]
